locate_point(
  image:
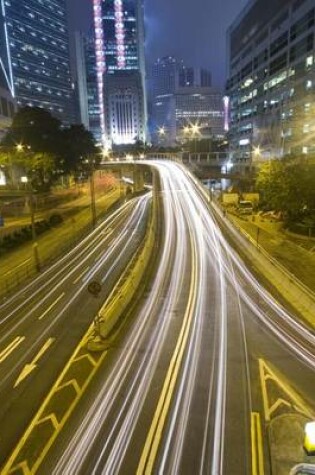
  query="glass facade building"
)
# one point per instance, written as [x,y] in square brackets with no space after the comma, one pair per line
[7,103]
[119,32]
[271,79]
[87,83]
[182,96]
[37,63]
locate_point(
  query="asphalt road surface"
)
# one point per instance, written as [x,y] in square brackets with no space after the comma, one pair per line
[192,385]
[42,324]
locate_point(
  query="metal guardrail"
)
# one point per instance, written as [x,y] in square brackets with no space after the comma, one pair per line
[303,469]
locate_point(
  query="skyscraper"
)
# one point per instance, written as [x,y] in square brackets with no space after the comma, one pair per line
[271,86]
[7,103]
[182,96]
[36,63]
[119,32]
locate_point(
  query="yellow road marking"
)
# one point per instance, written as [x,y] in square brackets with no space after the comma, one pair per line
[257,445]
[152,443]
[11,347]
[14,464]
[27,370]
[52,306]
[294,401]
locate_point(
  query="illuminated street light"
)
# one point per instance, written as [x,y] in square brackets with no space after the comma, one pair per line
[105,153]
[257,152]
[195,129]
[19,147]
[161,131]
[309,440]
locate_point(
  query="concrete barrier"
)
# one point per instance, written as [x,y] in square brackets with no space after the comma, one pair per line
[125,290]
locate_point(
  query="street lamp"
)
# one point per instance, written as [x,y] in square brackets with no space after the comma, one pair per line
[90,162]
[195,129]
[29,187]
[256,152]
[162,133]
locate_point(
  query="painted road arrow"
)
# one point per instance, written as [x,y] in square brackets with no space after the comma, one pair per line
[27,370]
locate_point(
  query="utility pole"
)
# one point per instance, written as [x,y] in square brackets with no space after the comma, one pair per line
[29,187]
[34,235]
[92,191]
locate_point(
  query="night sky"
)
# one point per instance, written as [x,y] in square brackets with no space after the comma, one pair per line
[193,30]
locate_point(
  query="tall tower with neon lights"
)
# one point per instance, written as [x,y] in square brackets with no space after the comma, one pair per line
[119,33]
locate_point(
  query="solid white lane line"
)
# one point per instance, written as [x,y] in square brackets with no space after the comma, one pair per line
[51,306]
[81,275]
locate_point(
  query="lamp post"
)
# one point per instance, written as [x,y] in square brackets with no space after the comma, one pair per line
[162,133]
[90,161]
[195,129]
[30,192]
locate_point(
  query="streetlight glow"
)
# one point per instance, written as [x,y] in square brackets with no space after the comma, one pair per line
[195,128]
[161,131]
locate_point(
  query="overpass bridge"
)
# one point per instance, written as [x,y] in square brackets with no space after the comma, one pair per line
[215,165]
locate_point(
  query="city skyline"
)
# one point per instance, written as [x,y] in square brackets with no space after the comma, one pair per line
[203,46]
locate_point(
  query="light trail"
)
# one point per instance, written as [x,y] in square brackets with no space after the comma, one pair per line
[124,238]
[191,236]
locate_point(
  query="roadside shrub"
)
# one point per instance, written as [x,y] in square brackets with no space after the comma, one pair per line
[55,219]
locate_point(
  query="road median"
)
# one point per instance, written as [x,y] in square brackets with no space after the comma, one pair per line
[129,285]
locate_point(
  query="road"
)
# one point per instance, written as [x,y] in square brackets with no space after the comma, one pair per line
[208,361]
[41,324]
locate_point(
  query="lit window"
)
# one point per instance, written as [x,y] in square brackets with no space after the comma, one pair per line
[309,61]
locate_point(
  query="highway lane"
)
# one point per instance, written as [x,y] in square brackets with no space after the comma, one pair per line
[174,359]
[187,389]
[41,326]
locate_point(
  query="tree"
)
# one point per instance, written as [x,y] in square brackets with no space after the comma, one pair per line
[287,185]
[35,128]
[37,132]
[76,148]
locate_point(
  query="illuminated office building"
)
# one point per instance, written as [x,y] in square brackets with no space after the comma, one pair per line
[271,79]
[86,72]
[7,103]
[119,33]
[35,55]
[182,96]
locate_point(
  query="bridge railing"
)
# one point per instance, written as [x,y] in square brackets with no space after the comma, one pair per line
[175,157]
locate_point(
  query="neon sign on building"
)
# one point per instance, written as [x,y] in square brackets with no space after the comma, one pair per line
[100,61]
[120,34]
[226,104]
